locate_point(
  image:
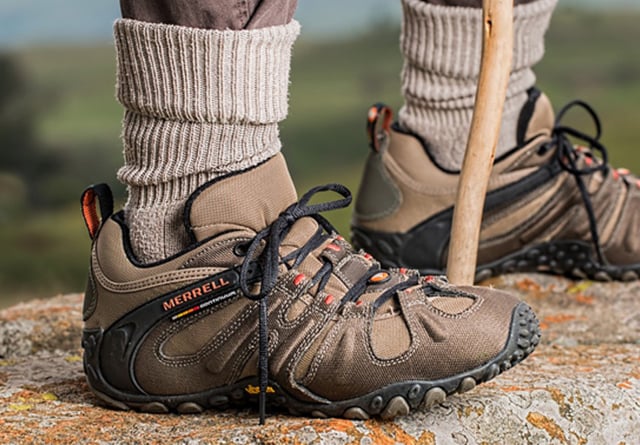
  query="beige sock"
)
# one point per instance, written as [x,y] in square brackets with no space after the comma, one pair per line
[442,48]
[199,104]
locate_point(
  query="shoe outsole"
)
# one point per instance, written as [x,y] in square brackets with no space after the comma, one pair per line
[571,259]
[386,403]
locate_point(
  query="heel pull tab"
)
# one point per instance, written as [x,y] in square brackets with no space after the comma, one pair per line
[89,210]
[378,132]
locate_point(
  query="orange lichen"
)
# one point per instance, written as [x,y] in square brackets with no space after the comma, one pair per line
[528,285]
[625,385]
[556,319]
[557,395]
[581,440]
[545,423]
[379,436]
[560,318]
[467,410]
[427,438]
[514,388]
[338,425]
[584,299]
[398,434]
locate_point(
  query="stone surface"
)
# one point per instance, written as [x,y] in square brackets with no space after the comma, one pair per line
[41,325]
[581,386]
[583,312]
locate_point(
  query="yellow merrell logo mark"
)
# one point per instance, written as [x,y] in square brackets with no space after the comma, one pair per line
[250,389]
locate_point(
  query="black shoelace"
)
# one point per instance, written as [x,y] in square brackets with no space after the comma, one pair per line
[269,261]
[568,156]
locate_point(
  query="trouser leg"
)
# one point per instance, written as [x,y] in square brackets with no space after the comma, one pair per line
[211,14]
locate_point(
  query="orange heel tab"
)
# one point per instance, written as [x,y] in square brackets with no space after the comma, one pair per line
[103,194]
[378,124]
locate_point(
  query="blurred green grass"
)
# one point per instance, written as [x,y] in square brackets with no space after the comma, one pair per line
[589,55]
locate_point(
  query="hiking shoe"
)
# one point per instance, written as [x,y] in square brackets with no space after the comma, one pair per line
[270,306]
[551,206]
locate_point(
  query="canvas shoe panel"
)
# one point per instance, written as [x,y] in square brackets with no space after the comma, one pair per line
[421,340]
[550,206]
[319,329]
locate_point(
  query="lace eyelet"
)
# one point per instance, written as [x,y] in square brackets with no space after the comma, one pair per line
[241,249]
[380,278]
[544,148]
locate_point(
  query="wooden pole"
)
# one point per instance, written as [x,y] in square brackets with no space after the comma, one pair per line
[497,53]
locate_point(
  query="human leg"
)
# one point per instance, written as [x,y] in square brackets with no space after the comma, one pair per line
[182,126]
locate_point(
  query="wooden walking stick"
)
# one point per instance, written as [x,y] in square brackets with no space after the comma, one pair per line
[497,53]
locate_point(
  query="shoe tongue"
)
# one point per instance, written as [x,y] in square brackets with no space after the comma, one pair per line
[536,118]
[248,201]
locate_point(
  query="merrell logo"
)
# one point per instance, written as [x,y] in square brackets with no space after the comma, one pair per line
[197,292]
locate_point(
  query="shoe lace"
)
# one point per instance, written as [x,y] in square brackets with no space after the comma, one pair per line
[269,261]
[568,156]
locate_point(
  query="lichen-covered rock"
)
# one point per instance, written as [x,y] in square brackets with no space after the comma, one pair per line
[582,385]
[41,325]
[584,394]
[583,312]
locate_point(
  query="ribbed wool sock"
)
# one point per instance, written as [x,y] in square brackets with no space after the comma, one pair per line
[198,104]
[442,49]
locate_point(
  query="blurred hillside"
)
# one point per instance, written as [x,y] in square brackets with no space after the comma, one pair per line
[60,126]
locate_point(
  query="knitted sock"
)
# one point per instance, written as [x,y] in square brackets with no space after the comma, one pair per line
[199,104]
[442,48]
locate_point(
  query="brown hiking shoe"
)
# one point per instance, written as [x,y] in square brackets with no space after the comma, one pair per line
[269,304]
[551,206]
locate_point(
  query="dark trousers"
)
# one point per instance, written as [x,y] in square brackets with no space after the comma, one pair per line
[232,14]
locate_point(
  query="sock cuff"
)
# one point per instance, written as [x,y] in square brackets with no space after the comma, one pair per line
[200,75]
[453,36]
[166,160]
